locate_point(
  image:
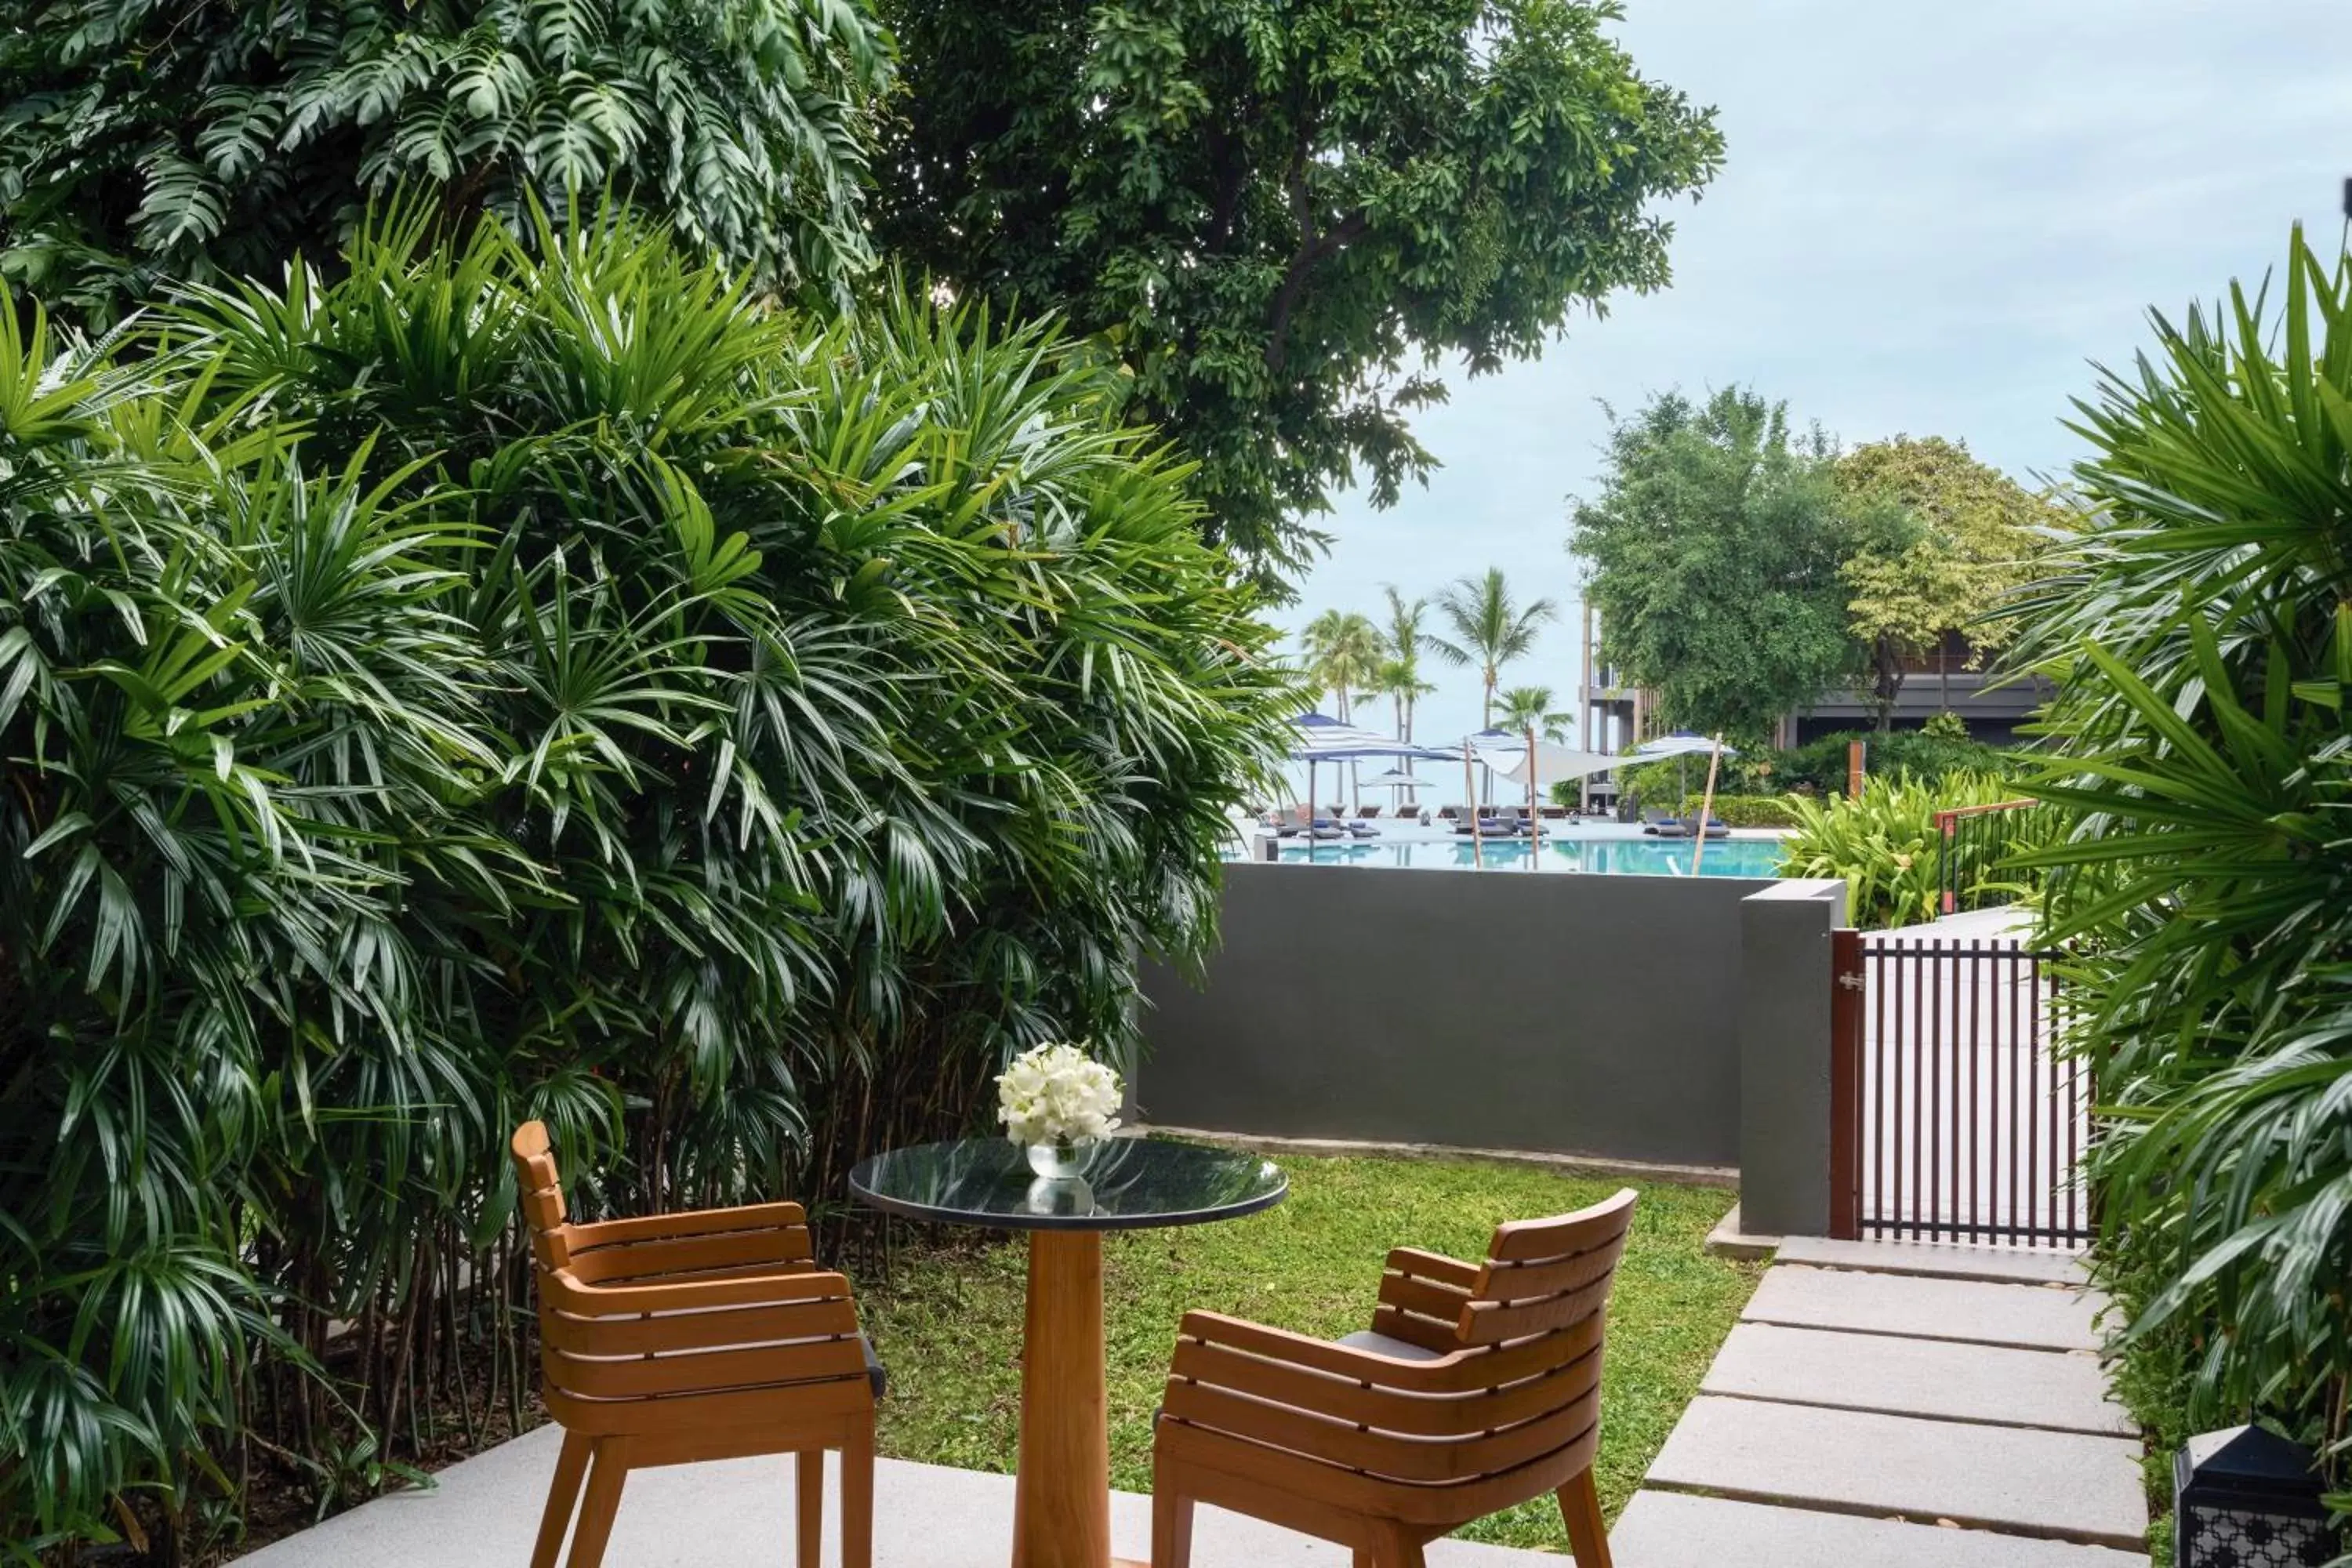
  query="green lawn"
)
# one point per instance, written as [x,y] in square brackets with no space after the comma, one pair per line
[948,1323]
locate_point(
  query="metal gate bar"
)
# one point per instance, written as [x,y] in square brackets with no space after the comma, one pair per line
[1951,1117]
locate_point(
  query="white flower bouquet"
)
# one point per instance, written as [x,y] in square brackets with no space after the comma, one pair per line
[1056,1098]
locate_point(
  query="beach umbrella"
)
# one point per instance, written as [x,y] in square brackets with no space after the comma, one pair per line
[1318,738]
[1395,778]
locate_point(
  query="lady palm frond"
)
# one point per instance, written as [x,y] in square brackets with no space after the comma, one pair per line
[531,676]
[2201,636]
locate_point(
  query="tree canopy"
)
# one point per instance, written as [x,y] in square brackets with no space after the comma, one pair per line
[1941,542]
[1279,216]
[1716,547]
[145,141]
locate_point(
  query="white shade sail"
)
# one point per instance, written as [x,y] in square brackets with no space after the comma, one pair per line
[1681,744]
[1557,764]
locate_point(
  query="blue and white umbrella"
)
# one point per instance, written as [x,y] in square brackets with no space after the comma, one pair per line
[1323,739]
[1319,738]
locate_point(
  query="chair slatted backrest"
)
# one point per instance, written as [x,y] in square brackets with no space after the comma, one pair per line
[1515,1389]
[653,1308]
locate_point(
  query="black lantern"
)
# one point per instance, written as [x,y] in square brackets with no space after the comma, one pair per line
[2248,1498]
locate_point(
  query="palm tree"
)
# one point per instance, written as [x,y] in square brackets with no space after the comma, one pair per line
[1490,629]
[1399,679]
[1528,708]
[1343,658]
[1401,675]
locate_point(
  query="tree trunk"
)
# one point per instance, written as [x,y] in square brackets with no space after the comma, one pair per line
[1890,683]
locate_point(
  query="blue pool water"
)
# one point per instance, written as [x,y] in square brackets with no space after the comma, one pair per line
[1604,856]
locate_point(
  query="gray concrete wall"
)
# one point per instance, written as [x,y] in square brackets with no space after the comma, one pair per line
[1784,1057]
[1576,1014]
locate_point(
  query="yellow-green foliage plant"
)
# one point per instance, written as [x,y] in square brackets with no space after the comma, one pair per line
[1883,843]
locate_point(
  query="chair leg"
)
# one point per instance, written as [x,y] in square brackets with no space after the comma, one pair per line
[808,1508]
[605,1475]
[1393,1548]
[1171,1519]
[858,1498]
[1580,1508]
[563,1493]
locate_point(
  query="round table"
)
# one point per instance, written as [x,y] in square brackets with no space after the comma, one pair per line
[1061,1508]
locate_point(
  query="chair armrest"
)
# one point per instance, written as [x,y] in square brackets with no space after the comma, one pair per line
[1314,1356]
[788,1286]
[1433,1265]
[690,1222]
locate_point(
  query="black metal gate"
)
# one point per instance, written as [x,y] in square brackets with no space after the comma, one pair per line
[1952,1118]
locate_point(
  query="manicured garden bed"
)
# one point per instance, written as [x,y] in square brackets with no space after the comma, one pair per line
[947,1320]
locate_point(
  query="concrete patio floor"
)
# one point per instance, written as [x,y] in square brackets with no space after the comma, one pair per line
[485,1511]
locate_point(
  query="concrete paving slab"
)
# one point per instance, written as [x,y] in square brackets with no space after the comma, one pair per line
[1993,1265]
[2031,1317]
[2057,1391]
[2061,1485]
[485,1513]
[1667,1530]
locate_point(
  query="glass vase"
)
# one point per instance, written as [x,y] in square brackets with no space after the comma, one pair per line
[1061,1159]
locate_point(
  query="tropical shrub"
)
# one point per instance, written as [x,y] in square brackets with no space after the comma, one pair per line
[145,142]
[1928,753]
[1944,725]
[529,677]
[2200,637]
[1886,845]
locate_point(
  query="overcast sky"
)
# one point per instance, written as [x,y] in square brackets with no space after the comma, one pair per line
[1930,217]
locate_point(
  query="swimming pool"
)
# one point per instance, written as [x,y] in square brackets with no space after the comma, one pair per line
[1608,857]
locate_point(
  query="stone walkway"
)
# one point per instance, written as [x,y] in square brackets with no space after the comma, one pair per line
[1894,1405]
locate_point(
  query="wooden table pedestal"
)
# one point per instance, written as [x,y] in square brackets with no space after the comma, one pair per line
[1061,1500]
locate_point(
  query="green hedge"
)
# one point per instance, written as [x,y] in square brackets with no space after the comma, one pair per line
[1753,811]
[531,677]
[1820,766]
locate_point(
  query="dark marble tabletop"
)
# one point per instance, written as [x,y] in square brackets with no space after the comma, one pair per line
[1123,1184]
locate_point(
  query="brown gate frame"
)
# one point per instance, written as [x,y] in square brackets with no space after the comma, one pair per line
[1848,986]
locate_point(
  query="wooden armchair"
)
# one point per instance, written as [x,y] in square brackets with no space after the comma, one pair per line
[682,1337]
[1478,1388]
